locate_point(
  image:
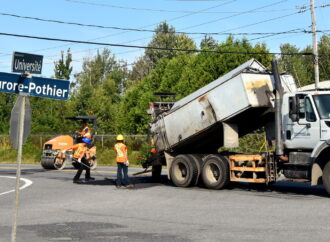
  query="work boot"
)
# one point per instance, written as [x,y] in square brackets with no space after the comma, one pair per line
[118,186]
[78,181]
[90,179]
[130,186]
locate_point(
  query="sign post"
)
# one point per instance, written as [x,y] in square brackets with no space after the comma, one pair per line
[15,120]
[19,162]
[25,85]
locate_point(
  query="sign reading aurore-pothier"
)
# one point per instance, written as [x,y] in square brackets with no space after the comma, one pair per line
[23,62]
[35,86]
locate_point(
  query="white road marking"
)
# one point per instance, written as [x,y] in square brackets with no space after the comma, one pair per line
[27,183]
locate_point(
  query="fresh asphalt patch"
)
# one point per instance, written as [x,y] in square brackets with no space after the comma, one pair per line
[90,231]
[53,208]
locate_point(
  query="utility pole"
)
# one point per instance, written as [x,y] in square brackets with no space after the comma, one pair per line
[315,49]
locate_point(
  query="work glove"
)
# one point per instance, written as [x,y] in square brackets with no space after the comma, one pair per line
[79,160]
[63,151]
[126,163]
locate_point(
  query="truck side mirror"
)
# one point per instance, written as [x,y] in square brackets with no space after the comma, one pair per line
[294,108]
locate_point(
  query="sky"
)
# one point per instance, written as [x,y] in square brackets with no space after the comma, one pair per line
[193,16]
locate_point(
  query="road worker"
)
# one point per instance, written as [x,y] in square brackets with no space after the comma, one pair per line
[85,133]
[156,163]
[122,163]
[79,151]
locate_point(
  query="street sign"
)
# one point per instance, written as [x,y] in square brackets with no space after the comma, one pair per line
[20,120]
[34,86]
[24,62]
[15,121]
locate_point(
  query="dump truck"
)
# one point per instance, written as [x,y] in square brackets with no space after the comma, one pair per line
[52,155]
[189,133]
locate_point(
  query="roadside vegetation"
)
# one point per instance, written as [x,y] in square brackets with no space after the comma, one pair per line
[119,93]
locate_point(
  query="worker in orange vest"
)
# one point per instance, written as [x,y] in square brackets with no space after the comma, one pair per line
[85,133]
[122,163]
[79,156]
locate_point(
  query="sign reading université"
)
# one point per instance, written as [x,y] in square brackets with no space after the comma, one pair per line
[34,86]
[23,62]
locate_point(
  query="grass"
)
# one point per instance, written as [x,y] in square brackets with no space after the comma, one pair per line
[32,151]
[137,146]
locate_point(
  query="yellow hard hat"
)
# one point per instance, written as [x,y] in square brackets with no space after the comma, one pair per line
[120,137]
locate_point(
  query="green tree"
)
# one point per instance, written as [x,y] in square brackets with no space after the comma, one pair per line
[208,43]
[164,37]
[300,67]
[183,74]
[141,68]
[6,103]
[99,89]
[49,114]
[63,66]
[324,59]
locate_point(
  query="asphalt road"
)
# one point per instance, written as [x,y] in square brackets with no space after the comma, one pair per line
[52,208]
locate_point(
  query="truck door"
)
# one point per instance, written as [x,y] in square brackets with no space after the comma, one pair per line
[322,102]
[304,131]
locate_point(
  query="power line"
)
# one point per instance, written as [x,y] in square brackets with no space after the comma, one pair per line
[75,23]
[140,30]
[200,11]
[149,47]
[146,26]
[235,15]
[264,21]
[293,31]
[131,8]
[301,9]
[169,11]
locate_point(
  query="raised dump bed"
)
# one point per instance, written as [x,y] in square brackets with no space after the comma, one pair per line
[218,113]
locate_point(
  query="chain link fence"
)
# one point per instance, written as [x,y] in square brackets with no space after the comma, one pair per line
[136,144]
[32,149]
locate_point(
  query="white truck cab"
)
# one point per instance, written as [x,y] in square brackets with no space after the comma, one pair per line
[306,119]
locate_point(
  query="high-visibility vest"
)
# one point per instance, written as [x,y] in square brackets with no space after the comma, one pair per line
[79,151]
[153,150]
[121,150]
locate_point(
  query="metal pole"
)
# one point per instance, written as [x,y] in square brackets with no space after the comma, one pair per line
[18,172]
[315,49]
[278,112]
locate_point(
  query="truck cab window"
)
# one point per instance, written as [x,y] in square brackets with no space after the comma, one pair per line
[322,105]
[310,114]
[301,107]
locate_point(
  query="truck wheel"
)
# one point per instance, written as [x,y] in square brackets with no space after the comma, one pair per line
[183,171]
[156,172]
[215,172]
[198,161]
[326,177]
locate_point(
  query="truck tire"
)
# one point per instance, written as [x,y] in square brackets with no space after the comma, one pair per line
[326,177]
[183,171]
[198,162]
[215,172]
[156,173]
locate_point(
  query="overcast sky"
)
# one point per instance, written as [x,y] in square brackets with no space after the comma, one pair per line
[198,16]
